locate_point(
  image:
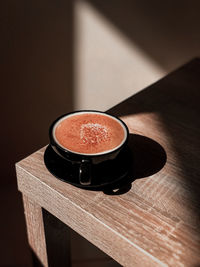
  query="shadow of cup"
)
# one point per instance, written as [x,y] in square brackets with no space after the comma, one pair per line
[148,158]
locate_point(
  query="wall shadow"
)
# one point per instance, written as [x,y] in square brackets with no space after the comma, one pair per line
[36,75]
[36,55]
[167,32]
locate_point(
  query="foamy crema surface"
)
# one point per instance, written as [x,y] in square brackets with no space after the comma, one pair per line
[89,133]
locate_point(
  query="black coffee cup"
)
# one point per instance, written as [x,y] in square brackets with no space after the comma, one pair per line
[86,161]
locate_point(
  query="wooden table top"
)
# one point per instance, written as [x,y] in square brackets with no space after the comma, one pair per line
[157,221]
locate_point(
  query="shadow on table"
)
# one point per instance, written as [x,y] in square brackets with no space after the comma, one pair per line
[148,157]
[175,101]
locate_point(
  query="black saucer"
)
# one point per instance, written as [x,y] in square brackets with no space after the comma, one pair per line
[104,175]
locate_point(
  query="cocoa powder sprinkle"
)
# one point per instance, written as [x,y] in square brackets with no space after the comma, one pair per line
[93,133]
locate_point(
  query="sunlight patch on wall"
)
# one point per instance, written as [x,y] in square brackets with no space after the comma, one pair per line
[108,67]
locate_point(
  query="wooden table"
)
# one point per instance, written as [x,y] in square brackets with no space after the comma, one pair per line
[153,222]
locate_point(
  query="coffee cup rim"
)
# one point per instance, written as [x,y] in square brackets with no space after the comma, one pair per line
[106,152]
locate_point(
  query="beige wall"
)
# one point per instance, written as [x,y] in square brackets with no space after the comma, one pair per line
[109,67]
[123,46]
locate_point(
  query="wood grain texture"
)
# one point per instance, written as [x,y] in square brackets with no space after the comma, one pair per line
[35,229]
[156,223]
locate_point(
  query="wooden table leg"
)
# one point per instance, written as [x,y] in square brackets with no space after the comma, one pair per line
[57,241]
[48,237]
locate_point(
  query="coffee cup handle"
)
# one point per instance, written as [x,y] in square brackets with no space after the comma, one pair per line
[85,172]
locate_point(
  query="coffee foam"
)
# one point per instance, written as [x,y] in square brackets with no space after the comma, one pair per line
[94,135]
